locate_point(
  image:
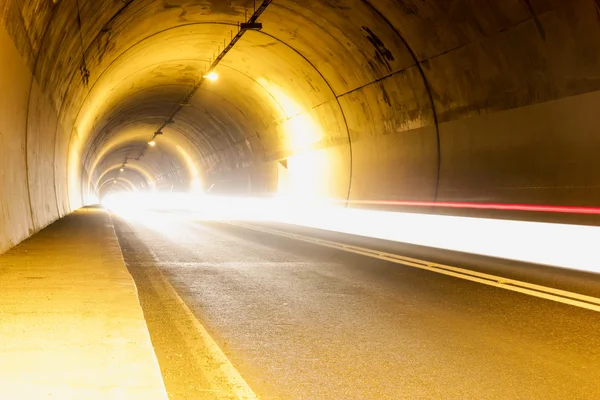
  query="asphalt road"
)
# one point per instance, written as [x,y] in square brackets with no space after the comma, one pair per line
[303,321]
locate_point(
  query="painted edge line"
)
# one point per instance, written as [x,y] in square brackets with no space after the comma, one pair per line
[239,386]
[241,389]
[117,243]
[544,292]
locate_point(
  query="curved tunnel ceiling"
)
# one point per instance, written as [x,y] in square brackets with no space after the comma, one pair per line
[406,100]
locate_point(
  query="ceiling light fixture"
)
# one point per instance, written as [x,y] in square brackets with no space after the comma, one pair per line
[212,76]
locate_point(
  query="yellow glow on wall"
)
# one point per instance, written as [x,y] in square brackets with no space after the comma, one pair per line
[298,127]
[197,186]
[196,183]
[283,180]
[301,132]
[282,101]
[307,175]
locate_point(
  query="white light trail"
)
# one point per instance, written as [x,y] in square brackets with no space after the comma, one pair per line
[569,246]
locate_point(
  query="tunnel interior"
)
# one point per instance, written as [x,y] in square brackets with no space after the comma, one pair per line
[448,101]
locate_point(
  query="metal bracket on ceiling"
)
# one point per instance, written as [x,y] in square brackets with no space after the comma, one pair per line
[251,26]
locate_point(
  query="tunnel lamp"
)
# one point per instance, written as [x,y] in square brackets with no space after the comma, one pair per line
[152,143]
[213,76]
[121,169]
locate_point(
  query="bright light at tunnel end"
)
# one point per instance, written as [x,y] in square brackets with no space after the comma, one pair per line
[561,245]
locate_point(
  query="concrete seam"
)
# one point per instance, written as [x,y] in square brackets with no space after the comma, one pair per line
[534,17]
[427,87]
[383,78]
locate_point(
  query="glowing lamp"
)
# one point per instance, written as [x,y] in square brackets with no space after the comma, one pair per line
[213,76]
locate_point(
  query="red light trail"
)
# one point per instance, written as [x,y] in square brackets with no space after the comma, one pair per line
[484,206]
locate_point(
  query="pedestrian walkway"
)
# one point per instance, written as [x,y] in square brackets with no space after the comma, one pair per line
[71,326]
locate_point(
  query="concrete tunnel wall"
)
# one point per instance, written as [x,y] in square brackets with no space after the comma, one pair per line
[363,99]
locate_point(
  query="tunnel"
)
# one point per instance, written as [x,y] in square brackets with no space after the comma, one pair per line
[299,199]
[361,100]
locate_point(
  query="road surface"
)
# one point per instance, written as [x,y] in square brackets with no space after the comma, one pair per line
[299,320]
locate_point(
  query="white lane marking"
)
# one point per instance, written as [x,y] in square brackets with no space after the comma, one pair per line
[235,382]
[544,292]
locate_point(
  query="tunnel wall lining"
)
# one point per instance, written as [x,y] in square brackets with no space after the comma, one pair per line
[514,90]
[15,80]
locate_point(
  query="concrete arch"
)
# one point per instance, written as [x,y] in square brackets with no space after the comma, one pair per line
[375,100]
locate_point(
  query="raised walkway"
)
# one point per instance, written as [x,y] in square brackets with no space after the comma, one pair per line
[71,326]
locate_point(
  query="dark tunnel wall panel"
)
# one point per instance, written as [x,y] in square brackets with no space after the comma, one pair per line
[60,55]
[435,27]
[42,125]
[12,20]
[394,143]
[524,156]
[400,166]
[532,62]
[36,16]
[367,48]
[15,81]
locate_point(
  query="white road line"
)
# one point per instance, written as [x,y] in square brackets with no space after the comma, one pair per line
[544,292]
